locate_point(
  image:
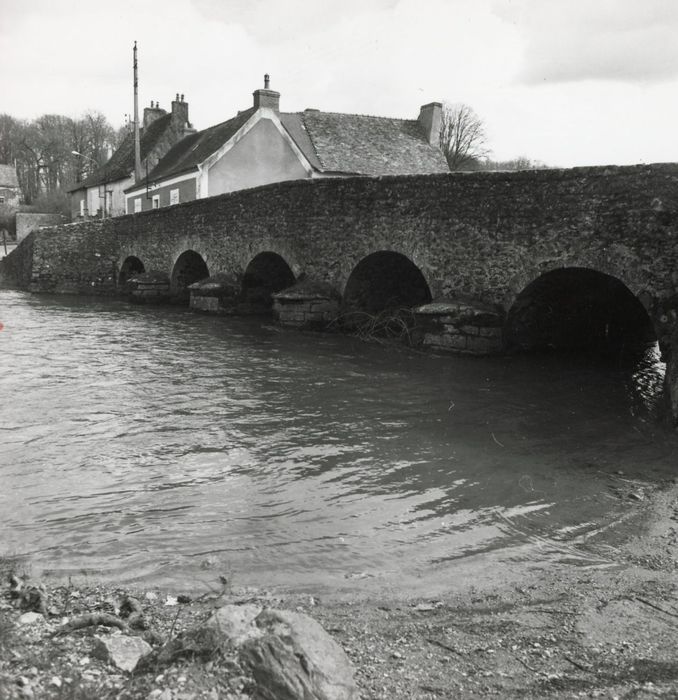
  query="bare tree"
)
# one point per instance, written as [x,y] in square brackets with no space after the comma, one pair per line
[42,152]
[462,137]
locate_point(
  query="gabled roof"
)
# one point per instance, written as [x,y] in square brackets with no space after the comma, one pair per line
[8,176]
[121,163]
[365,145]
[195,148]
[331,142]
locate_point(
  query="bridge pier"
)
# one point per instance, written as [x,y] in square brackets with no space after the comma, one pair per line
[217,294]
[461,326]
[151,287]
[307,304]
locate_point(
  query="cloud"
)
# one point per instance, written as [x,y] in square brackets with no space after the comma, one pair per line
[619,40]
[273,21]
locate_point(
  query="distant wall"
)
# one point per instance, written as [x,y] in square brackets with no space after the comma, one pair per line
[29,221]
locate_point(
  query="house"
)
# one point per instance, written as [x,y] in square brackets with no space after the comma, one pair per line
[261,145]
[102,193]
[10,190]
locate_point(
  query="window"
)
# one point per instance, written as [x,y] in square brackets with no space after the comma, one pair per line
[2,199]
[82,207]
[137,205]
[174,196]
[156,201]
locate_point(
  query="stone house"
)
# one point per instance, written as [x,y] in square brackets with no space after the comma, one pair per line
[261,145]
[102,193]
[10,190]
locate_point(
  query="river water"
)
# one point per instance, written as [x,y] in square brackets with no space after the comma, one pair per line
[158,446]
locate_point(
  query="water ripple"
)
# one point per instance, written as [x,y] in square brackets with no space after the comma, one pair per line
[139,442]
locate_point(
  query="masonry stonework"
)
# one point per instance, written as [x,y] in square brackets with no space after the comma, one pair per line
[474,236]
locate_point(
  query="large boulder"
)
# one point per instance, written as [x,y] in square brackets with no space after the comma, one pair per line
[293,658]
[236,622]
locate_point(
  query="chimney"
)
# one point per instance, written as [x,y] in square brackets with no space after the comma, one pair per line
[430,120]
[180,113]
[152,113]
[267,98]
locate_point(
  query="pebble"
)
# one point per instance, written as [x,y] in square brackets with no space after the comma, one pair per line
[30,618]
[158,694]
[424,607]
[55,682]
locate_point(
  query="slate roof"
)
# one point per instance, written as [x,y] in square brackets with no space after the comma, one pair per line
[365,145]
[332,143]
[121,163]
[195,148]
[8,176]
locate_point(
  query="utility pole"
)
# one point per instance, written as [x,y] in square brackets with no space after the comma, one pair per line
[137,141]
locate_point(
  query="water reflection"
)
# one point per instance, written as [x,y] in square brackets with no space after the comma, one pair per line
[644,384]
[139,442]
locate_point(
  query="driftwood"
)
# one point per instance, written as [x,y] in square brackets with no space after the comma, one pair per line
[131,609]
[90,620]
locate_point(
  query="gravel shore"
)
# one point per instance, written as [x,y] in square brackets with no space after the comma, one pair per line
[560,632]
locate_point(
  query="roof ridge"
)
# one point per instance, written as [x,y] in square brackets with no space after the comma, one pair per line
[354,114]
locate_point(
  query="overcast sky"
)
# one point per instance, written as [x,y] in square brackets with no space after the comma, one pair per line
[568,82]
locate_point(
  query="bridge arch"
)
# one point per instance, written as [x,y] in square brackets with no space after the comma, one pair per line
[266,274]
[131,266]
[385,280]
[188,268]
[577,309]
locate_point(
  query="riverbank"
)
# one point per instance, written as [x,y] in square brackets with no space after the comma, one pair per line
[560,633]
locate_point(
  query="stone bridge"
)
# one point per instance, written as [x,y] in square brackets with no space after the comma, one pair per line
[487,261]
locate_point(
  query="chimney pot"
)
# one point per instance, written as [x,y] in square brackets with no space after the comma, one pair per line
[177,97]
[182,96]
[267,81]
